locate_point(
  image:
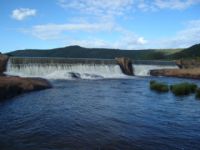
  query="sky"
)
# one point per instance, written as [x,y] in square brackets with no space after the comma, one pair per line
[119,24]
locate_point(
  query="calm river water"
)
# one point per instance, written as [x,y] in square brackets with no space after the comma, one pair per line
[107,114]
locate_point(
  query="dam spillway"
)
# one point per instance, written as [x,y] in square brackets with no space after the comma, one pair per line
[61,68]
[55,60]
[69,68]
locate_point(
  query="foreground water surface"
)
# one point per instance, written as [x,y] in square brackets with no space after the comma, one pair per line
[101,114]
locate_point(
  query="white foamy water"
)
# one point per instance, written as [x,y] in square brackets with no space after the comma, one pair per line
[52,70]
[144,70]
[66,71]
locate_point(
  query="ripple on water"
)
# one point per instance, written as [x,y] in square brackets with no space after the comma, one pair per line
[100,114]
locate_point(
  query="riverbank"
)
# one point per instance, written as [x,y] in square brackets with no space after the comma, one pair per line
[193,73]
[11,86]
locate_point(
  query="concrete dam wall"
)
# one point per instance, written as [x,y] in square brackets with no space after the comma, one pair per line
[46,60]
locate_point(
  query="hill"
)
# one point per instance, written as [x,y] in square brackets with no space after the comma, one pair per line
[189,53]
[100,53]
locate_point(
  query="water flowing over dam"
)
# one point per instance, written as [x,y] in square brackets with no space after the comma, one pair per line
[65,68]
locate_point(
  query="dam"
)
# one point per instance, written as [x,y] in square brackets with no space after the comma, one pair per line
[69,68]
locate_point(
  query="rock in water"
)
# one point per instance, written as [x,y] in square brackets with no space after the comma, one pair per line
[74,75]
[3,63]
[125,65]
[12,86]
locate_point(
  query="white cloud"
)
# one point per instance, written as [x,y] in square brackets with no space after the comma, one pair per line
[125,39]
[108,11]
[183,38]
[115,8]
[189,36]
[121,43]
[99,10]
[93,31]
[141,40]
[23,13]
[98,7]
[145,5]
[102,23]
[129,41]
[175,4]
[89,43]
[54,31]
[186,37]
[156,5]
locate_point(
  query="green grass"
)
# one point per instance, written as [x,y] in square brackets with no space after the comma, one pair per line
[180,89]
[183,88]
[158,86]
[169,51]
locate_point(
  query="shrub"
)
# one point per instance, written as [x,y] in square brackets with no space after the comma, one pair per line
[183,88]
[158,86]
[198,93]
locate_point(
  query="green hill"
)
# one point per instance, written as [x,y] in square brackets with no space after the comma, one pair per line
[189,53]
[101,53]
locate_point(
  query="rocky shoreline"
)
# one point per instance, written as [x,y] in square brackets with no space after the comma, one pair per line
[193,73]
[187,69]
[11,86]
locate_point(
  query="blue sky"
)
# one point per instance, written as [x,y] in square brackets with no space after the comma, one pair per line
[124,24]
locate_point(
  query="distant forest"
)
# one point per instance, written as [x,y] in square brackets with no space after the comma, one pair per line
[102,53]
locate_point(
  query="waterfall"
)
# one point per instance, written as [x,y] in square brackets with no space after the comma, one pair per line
[56,68]
[52,70]
[143,70]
